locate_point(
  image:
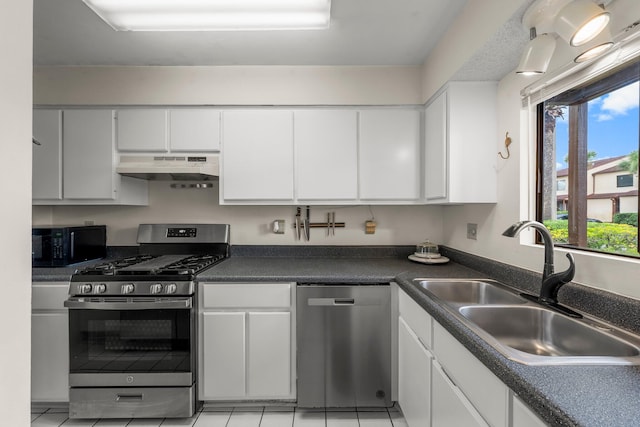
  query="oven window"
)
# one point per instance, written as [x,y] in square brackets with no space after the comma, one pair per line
[130,341]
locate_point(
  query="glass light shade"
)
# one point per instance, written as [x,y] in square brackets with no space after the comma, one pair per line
[212,15]
[580,22]
[537,55]
[595,48]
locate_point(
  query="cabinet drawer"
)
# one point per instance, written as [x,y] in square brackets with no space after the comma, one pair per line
[416,318]
[49,295]
[245,295]
[484,390]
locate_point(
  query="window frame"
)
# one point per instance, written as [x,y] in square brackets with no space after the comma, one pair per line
[579,96]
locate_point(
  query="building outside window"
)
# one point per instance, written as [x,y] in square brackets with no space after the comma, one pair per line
[588,157]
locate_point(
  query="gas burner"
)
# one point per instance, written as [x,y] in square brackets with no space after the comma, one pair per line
[112,268]
[190,265]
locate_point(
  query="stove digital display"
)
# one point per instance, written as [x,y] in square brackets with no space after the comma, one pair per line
[181,232]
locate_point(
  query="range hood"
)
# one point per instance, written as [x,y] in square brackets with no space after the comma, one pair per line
[170,168]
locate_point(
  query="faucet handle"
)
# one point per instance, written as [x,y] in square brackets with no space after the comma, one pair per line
[551,285]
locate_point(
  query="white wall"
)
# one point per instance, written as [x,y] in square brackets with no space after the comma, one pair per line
[250,225]
[15,214]
[232,85]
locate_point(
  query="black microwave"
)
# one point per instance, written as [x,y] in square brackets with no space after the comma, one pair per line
[59,246]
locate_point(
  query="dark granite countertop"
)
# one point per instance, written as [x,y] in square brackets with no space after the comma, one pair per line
[325,270]
[560,395]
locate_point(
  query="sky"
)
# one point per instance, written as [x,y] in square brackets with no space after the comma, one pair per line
[613,125]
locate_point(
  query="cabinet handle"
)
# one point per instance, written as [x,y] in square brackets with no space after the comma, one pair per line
[330,301]
[129,397]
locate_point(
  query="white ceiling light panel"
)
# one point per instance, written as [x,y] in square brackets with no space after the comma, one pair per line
[212,15]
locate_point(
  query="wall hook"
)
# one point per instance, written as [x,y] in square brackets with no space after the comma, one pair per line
[507,143]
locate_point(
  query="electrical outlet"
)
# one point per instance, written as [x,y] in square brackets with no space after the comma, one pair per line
[472,231]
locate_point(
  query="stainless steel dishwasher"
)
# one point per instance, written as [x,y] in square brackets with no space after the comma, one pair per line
[344,345]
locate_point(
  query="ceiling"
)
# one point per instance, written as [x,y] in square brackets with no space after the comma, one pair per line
[363,32]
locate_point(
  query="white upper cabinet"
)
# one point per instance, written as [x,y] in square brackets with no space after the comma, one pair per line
[75,161]
[461,144]
[194,130]
[435,163]
[257,156]
[47,154]
[89,155]
[389,157]
[326,146]
[148,130]
[143,130]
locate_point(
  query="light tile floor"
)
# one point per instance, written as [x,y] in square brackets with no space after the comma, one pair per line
[237,417]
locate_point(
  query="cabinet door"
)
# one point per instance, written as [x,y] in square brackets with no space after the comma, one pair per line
[389,155]
[414,378]
[47,156]
[450,406]
[50,357]
[435,140]
[223,356]
[194,130]
[269,358]
[89,170]
[326,154]
[257,158]
[488,394]
[143,130]
[472,128]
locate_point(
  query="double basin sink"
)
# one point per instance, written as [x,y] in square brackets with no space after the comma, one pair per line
[530,333]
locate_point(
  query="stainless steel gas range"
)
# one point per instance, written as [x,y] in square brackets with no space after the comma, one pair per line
[132,325]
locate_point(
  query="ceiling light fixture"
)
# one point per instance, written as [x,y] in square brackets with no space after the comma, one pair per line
[580,22]
[212,15]
[537,54]
[595,47]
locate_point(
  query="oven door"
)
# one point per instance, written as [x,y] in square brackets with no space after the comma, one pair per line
[131,342]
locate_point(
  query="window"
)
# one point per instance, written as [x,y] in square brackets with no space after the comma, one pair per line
[588,164]
[625,180]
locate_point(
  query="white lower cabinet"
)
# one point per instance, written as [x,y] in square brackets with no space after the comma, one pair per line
[414,377]
[486,392]
[450,407]
[49,342]
[269,364]
[442,384]
[246,341]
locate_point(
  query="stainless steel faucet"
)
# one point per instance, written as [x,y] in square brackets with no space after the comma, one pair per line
[551,282]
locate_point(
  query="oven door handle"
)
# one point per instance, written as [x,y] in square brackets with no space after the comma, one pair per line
[82,304]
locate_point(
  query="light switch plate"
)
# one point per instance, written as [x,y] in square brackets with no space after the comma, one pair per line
[472,231]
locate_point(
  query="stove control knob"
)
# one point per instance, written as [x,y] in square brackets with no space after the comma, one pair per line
[86,288]
[127,288]
[171,288]
[101,288]
[156,288]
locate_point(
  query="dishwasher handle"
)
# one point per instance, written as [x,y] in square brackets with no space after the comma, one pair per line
[330,301]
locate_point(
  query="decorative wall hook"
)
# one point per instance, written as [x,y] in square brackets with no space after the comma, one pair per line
[507,143]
